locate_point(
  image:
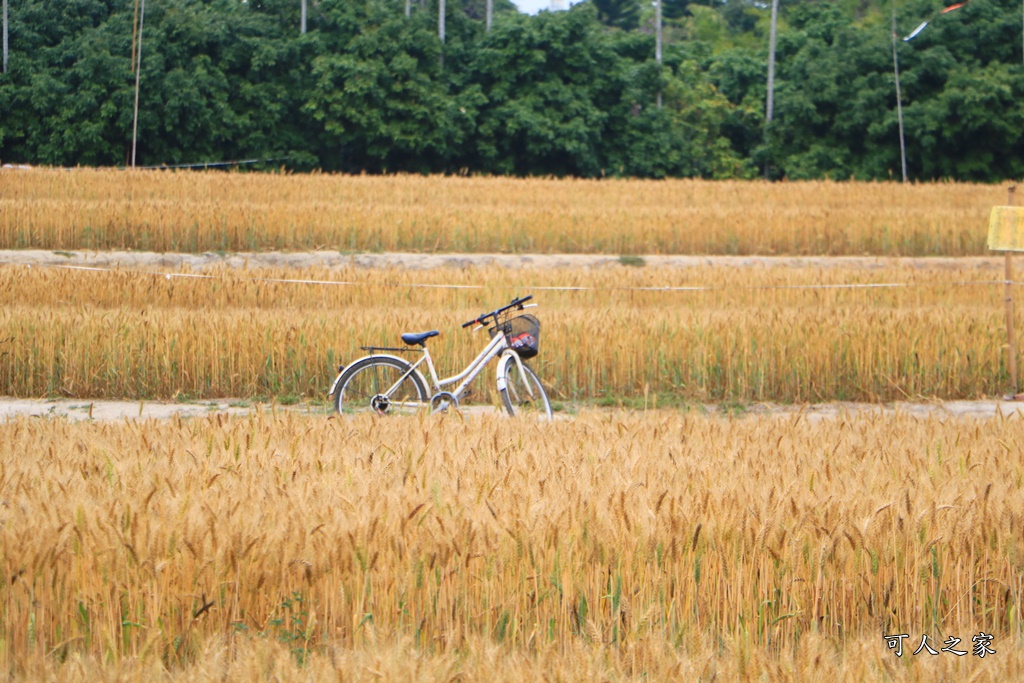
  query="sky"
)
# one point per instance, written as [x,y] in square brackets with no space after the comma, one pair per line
[534,6]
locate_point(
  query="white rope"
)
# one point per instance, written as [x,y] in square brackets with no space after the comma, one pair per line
[541,288]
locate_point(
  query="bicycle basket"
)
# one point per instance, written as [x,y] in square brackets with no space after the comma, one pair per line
[522,334]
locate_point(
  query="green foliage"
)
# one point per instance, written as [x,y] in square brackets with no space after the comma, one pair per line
[289,626]
[672,10]
[977,112]
[382,101]
[545,87]
[560,93]
[624,14]
[477,9]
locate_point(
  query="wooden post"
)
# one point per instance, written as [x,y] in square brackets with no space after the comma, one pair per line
[1011,338]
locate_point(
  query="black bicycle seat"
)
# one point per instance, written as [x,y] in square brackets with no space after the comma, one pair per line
[412,338]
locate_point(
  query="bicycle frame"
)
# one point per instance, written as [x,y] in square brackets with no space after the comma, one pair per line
[496,347]
[441,398]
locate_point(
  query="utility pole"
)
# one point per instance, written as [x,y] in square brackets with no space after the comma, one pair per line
[440,27]
[490,14]
[440,20]
[769,107]
[135,34]
[5,36]
[303,17]
[899,97]
[657,39]
[138,76]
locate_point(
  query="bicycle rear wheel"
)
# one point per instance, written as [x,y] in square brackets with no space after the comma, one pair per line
[522,392]
[379,384]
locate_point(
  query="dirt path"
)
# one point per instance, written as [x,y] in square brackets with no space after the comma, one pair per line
[107,410]
[335,260]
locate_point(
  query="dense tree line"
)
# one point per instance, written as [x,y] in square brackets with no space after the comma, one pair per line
[371,88]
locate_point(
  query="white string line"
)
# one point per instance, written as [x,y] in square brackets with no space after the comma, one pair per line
[542,288]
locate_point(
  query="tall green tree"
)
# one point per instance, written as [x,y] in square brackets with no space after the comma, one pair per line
[565,93]
[546,84]
[685,137]
[624,14]
[66,99]
[383,101]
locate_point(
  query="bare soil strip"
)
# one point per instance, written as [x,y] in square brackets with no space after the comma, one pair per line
[339,261]
[107,410]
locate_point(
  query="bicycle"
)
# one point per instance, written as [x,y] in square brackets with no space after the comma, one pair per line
[386,384]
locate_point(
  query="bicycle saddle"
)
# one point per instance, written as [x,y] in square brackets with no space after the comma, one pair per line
[412,338]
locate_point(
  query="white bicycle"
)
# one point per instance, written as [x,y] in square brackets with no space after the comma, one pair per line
[387,384]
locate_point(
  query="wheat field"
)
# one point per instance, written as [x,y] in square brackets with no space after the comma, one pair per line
[634,538]
[625,545]
[183,211]
[741,334]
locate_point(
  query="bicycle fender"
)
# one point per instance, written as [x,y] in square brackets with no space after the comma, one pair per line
[416,371]
[334,386]
[503,370]
[502,382]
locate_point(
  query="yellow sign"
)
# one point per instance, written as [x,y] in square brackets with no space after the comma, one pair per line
[1006,228]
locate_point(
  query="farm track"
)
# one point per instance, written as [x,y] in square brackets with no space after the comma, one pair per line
[76,410]
[416,261]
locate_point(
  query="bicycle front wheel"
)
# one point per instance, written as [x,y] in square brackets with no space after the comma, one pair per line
[381,385]
[522,392]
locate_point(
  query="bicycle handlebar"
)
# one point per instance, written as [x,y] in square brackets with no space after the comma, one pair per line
[482,319]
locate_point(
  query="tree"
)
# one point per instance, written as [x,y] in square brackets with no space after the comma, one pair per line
[684,137]
[973,129]
[382,102]
[546,84]
[553,94]
[624,14]
[673,10]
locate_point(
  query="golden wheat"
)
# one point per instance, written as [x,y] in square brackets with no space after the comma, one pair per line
[756,335]
[203,211]
[661,544]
